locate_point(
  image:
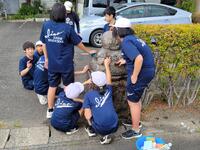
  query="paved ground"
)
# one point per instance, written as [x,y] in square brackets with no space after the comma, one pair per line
[22,119]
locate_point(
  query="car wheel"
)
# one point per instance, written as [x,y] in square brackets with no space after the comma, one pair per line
[95,38]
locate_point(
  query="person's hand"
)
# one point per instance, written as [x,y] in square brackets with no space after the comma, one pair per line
[29,64]
[107,61]
[120,62]
[85,69]
[134,79]
[46,63]
[89,81]
[92,52]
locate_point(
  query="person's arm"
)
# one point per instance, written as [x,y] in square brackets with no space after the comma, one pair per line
[88,115]
[107,62]
[85,69]
[137,67]
[82,47]
[45,56]
[78,100]
[26,70]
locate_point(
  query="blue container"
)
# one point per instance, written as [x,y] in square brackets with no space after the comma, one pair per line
[140,141]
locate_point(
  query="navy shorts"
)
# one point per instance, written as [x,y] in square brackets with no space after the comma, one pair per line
[66,127]
[134,91]
[102,130]
[28,85]
[54,78]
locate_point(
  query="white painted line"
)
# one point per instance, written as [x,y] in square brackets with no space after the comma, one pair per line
[22,24]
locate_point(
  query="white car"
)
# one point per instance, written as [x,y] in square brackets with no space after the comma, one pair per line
[91,27]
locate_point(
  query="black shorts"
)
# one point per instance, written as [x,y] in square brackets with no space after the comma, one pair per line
[134,91]
[54,78]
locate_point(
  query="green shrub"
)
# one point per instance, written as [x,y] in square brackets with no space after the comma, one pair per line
[178,60]
[188,5]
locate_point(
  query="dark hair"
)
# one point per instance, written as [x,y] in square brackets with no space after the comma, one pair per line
[58,13]
[101,90]
[110,11]
[28,44]
[122,32]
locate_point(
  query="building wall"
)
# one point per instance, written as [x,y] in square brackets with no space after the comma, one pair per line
[48,3]
[12,7]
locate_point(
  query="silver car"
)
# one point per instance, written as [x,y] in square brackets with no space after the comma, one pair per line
[139,13]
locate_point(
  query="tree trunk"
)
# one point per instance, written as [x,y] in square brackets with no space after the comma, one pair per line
[197,3]
[178,2]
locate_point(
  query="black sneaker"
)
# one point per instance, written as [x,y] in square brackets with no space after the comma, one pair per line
[128,123]
[106,140]
[90,131]
[131,134]
[72,131]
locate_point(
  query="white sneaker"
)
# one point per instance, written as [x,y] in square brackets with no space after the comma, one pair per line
[42,99]
[49,114]
[72,131]
[106,140]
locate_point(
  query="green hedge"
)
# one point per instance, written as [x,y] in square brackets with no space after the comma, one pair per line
[177,59]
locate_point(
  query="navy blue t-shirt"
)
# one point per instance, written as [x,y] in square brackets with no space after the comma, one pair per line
[23,65]
[103,112]
[64,110]
[60,39]
[132,46]
[37,55]
[41,84]
[106,27]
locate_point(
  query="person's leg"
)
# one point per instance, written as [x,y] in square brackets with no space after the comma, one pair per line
[54,81]
[135,110]
[89,129]
[51,97]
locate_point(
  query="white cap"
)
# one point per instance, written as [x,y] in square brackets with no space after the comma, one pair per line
[68,5]
[122,23]
[38,43]
[73,90]
[98,78]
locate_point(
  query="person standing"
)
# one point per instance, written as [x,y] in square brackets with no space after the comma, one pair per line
[140,68]
[59,39]
[72,18]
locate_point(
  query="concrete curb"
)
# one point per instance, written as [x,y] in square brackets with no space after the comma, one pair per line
[29,20]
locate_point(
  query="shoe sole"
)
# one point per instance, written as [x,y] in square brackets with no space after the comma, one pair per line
[70,133]
[90,134]
[132,137]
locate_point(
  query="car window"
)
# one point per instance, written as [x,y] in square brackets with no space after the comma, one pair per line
[100,3]
[155,10]
[132,12]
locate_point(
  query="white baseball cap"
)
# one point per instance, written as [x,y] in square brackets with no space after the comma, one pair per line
[98,78]
[122,23]
[68,5]
[73,90]
[38,43]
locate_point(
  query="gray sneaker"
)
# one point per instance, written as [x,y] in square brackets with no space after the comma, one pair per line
[130,134]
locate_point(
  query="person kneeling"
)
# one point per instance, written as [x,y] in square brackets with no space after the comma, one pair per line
[67,109]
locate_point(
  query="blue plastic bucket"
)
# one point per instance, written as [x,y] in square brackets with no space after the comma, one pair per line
[140,141]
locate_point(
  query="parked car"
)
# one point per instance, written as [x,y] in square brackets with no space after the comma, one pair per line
[138,13]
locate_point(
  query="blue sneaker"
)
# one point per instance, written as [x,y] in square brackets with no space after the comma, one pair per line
[130,134]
